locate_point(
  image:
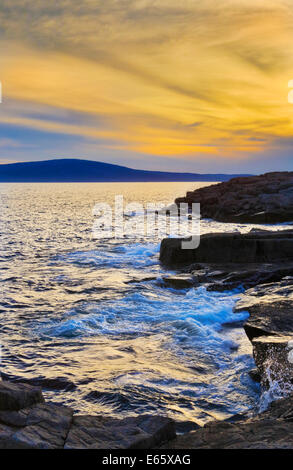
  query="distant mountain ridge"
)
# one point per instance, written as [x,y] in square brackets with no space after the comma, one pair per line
[77,170]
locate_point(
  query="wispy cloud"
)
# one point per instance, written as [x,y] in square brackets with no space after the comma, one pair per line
[151,77]
[9,143]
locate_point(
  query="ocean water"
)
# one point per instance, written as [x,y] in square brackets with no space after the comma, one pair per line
[91,321]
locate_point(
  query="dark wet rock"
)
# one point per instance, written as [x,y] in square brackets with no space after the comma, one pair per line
[57,415]
[186,426]
[44,426]
[56,383]
[5,434]
[254,374]
[121,401]
[272,429]
[272,318]
[279,409]
[270,307]
[18,396]
[256,199]
[47,426]
[261,263]
[181,281]
[141,279]
[270,328]
[201,266]
[271,355]
[222,277]
[223,248]
[14,418]
[97,432]
[239,417]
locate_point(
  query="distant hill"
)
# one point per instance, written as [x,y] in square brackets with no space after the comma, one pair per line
[75,170]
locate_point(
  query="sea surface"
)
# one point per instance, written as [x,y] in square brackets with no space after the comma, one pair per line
[91,321]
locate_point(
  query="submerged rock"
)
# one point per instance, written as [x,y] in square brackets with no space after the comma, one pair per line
[181,281]
[56,383]
[256,199]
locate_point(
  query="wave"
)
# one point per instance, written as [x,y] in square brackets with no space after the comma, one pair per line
[194,317]
[135,255]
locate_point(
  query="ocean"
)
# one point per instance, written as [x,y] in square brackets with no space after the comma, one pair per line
[91,321]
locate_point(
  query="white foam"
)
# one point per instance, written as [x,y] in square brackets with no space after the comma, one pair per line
[195,316]
[277,389]
[135,255]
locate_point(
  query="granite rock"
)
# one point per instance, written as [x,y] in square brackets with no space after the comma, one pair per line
[97,432]
[17,396]
[272,429]
[234,247]
[260,199]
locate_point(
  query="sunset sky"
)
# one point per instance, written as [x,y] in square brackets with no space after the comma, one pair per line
[191,85]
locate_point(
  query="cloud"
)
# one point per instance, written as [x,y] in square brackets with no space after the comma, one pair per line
[9,143]
[151,77]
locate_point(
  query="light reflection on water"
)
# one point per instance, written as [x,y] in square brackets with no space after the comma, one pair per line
[91,321]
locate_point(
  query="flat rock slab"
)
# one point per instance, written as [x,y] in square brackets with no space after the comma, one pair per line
[97,432]
[234,247]
[181,281]
[264,435]
[270,307]
[44,426]
[26,422]
[272,429]
[17,396]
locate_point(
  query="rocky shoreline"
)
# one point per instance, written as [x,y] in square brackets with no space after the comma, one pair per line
[260,264]
[260,199]
[271,429]
[27,421]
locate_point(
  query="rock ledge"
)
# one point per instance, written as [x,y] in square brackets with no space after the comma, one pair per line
[27,422]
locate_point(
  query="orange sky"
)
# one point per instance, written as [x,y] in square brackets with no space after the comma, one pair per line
[149,83]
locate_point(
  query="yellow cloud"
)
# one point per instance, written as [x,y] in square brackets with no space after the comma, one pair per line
[205,77]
